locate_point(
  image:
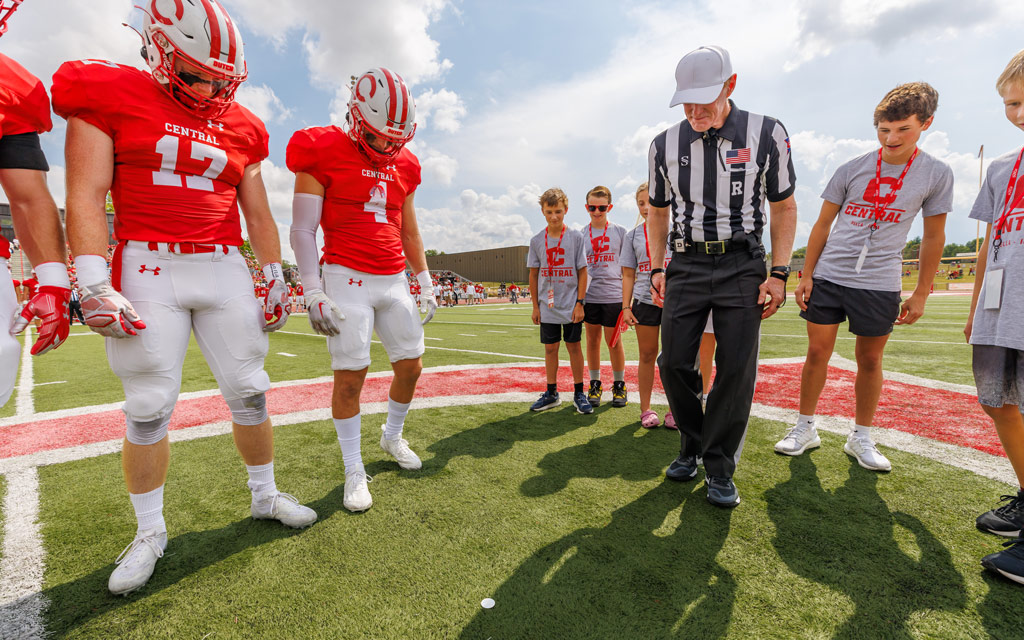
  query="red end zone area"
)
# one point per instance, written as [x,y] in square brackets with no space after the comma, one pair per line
[946,416]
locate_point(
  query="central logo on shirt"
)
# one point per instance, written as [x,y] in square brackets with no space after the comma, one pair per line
[880,194]
[555,258]
[599,244]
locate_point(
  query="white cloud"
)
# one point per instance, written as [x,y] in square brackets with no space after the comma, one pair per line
[262,101]
[438,168]
[638,143]
[444,108]
[481,221]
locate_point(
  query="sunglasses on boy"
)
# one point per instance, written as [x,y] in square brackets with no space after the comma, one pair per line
[598,207]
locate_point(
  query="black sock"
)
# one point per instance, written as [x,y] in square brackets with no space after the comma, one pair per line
[552,388]
[578,387]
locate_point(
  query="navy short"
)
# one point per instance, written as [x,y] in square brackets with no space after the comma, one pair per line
[605,314]
[871,313]
[648,315]
[22,151]
[551,333]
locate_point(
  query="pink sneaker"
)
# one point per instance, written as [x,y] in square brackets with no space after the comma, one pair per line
[670,422]
[649,419]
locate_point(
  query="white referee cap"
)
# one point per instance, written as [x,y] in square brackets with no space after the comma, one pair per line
[700,75]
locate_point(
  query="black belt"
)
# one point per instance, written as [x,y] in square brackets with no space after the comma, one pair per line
[714,247]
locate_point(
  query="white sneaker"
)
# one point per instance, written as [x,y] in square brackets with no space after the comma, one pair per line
[285,508]
[357,494]
[799,439]
[136,563]
[861,447]
[400,451]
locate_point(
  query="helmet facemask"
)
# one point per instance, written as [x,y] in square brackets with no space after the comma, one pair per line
[381,107]
[7,7]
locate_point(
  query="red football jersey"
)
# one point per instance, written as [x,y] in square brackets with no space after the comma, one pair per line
[298,290]
[176,175]
[362,214]
[24,105]
[31,284]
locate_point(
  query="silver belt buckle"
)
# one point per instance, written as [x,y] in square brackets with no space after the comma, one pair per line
[679,244]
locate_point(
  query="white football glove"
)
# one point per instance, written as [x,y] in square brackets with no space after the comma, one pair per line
[276,306]
[324,315]
[428,305]
[108,313]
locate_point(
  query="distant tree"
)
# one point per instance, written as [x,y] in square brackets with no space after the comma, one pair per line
[433,252]
[951,249]
[800,253]
[912,249]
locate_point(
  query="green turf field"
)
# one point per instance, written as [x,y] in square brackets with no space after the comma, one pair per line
[564,520]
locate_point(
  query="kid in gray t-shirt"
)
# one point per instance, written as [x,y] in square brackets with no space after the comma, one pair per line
[559,265]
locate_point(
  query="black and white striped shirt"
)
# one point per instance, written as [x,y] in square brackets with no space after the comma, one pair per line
[716,182]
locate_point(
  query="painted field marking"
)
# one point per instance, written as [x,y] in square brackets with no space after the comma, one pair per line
[483,324]
[493,331]
[43,384]
[429,338]
[287,355]
[24,403]
[23,562]
[468,335]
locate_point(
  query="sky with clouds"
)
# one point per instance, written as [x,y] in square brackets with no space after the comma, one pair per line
[513,98]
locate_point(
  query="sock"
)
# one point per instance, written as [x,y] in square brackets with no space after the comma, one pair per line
[619,376]
[396,419]
[862,430]
[801,418]
[261,480]
[577,387]
[595,375]
[149,509]
[348,438]
[552,388]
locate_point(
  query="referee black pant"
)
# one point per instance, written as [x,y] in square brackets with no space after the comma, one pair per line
[727,284]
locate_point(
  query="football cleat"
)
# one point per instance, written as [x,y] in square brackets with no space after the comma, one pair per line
[136,563]
[381,115]
[357,494]
[594,393]
[400,451]
[285,508]
[799,439]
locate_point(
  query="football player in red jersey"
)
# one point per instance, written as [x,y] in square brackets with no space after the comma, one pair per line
[359,186]
[179,156]
[24,114]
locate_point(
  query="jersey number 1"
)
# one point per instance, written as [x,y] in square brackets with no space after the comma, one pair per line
[167,149]
[377,204]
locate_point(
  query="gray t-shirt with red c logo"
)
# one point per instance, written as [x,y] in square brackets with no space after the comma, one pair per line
[559,268]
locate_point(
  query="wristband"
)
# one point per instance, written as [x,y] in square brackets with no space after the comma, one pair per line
[426,284]
[774,274]
[272,271]
[630,308]
[580,301]
[91,269]
[53,274]
[658,270]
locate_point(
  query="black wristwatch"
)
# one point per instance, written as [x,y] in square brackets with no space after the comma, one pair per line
[659,270]
[580,301]
[781,272]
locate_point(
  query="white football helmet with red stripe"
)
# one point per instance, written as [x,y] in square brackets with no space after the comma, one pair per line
[382,106]
[7,7]
[200,34]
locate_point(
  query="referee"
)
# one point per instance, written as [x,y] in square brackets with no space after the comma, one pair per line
[714,171]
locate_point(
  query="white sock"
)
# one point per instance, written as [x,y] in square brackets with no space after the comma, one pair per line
[149,509]
[261,480]
[862,430]
[348,437]
[595,374]
[396,419]
[802,419]
[619,376]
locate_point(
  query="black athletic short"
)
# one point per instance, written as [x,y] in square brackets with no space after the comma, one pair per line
[871,313]
[22,151]
[605,314]
[999,375]
[648,315]
[551,333]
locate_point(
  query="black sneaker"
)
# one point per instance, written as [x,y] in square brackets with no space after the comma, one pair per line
[722,492]
[1008,563]
[582,404]
[619,398]
[682,469]
[1007,520]
[594,394]
[547,400]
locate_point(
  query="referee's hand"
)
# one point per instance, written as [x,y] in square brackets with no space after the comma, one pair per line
[772,295]
[658,289]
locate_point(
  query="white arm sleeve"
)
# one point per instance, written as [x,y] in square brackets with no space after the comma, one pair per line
[306,211]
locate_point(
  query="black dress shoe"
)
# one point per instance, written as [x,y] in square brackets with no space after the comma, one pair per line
[722,492]
[682,468]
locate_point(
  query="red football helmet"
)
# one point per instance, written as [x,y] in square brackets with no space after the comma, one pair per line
[7,7]
[382,107]
[184,38]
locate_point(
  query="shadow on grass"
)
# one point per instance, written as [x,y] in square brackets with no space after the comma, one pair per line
[845,540]
[76,602]
[492,439]
[644,575]
[620,454]
[1000,611]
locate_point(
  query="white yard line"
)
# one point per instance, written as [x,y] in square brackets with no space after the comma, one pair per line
[287,355]
[24,404]
[468,335]
[23,562]
[43,384]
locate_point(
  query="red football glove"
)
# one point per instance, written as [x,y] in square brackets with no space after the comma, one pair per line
[276,306]
[49,304]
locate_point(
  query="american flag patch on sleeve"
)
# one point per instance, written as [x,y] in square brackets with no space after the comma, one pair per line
[737,156]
